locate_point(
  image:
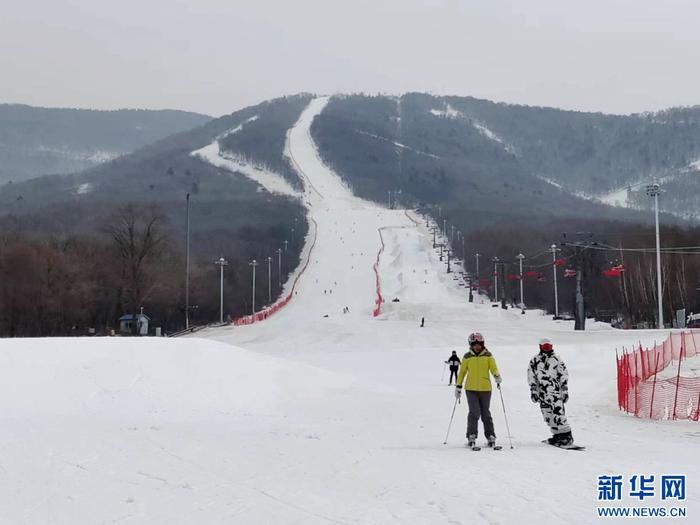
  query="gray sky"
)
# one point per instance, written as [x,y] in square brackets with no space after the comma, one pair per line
[216,56]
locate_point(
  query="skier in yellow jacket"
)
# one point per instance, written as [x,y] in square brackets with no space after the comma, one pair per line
[476,366]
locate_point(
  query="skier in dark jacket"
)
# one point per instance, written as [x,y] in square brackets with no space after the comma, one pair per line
[548,380]
[453,361]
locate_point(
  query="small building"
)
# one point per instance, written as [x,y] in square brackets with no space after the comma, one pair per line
[126,324]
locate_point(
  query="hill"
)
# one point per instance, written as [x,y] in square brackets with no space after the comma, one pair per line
[37,141]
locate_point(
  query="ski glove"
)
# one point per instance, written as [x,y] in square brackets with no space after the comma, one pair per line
[458,392]
[498,380]
[535,397]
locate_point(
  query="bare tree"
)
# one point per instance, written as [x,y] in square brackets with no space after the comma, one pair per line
[137,236]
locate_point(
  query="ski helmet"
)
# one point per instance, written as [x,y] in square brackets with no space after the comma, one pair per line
[476,337]
[546,344]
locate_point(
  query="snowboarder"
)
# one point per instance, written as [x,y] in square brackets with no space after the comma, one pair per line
[475,367]
[548,380]
[453,361]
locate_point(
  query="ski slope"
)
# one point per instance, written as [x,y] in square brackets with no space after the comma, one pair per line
[316,416]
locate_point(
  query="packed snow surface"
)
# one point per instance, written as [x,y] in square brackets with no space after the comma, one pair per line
[320,416]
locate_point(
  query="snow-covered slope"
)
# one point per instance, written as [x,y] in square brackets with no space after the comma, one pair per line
[270,181]
[319,416]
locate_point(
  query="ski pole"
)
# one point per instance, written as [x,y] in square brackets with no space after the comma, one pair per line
[451,418]
[443,372]
[505,416]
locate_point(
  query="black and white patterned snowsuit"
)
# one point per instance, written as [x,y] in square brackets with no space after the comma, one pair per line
[548,379]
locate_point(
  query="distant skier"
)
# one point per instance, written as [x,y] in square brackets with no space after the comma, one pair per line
[453,361]
[422,322]
[548,380]
[475,367]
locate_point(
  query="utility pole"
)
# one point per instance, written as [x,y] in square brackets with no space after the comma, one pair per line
[253,263]
[580,321]
[554,268]
[434,242]
[221,262]
[448,261]
[279,268]
[653,191]
[520,258]
[269,280]
[495,275]
[187,265]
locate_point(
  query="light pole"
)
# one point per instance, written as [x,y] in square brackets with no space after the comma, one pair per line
[554,269]
[221,262]
[448,261]
[187,266]
[293,243]
[520,258]
[653,191]
[478,281]
[495,275]
[285,246]
[452,234]
[253,263]
[269,280]
[279,268]
[434,232]
[444,228]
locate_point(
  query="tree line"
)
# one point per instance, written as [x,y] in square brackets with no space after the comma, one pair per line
[81,284]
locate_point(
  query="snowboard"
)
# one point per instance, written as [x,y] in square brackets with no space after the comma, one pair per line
[565,447]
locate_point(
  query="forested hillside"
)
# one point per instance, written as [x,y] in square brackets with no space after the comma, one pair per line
[39,141]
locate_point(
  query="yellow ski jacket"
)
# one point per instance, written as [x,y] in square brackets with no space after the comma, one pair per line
[476,368]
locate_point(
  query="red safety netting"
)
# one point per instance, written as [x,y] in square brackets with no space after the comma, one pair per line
[379,300]
[272,309]
[650,382]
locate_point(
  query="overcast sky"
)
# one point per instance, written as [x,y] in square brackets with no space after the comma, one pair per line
[216,56]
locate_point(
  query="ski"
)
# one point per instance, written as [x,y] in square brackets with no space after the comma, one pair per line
[473,447]
[497,447]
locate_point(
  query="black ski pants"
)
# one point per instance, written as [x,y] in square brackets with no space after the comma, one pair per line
[453,371]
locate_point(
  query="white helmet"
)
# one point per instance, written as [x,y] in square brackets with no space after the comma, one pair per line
[475,337]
